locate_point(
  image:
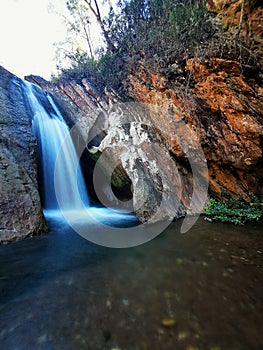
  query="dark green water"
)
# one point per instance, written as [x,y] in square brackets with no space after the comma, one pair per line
[61,292]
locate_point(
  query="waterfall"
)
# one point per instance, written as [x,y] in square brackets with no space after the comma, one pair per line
[64,194]
[51,131]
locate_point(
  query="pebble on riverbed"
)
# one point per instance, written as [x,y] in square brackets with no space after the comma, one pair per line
[182,335]
[168,322]
[191,347]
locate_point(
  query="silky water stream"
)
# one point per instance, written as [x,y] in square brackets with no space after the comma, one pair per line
[61,292]
[200,290]
[63,188]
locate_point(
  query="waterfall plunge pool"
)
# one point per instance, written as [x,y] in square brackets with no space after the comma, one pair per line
[59,291]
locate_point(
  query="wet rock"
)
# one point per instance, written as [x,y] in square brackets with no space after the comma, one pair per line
[20,208]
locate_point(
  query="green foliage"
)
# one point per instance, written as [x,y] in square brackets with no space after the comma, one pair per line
[105,71]
[163,30]
[160,30]
[81,65]
[236,212]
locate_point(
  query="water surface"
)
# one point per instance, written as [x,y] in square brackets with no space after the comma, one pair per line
[60,291]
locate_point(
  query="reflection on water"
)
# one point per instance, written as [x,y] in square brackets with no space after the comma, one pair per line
[60,291]
[93,216]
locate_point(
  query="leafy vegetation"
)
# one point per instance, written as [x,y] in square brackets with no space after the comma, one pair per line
[163,29]
[233,211]
[159,31]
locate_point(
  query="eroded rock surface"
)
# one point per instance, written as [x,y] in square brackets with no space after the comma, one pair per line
[134,144]
[201,122]
[222,110]
[20,209]
[163,145]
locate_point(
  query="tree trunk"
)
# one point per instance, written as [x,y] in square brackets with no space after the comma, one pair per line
[96,12]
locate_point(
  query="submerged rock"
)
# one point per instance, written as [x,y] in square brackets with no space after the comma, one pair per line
[168,322]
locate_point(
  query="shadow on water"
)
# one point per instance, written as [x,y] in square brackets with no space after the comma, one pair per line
[60,291]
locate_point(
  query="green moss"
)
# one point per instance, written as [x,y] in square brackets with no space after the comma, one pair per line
[233,211]
[119,178]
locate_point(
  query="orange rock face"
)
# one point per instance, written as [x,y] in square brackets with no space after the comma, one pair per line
[245,18]
[222,109]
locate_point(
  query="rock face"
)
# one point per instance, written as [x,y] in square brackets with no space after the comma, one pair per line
[132,158]
[134,144]
[232,117]
[127,145]
[20,208]
[201,125]
[175,138]
[243,18]
[223,111]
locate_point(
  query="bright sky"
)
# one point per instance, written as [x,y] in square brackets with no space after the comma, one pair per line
[28,30]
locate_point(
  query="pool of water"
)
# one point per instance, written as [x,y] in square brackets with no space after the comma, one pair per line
[59,291]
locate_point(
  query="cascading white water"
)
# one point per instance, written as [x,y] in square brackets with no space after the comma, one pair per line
[64,193]
[51,131]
